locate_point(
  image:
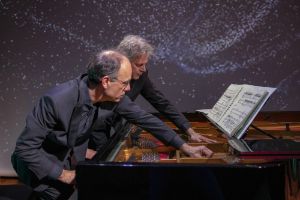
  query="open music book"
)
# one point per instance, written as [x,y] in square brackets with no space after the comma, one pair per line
[235,110]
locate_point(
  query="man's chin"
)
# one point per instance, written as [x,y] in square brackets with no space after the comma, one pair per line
[119,98]
[136,77]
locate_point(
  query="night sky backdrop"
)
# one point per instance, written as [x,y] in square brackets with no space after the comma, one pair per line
[201,47]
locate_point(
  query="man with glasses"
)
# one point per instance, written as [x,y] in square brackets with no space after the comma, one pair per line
[138,51]
[57,131]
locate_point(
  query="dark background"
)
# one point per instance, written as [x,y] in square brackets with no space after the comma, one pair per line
[201,47]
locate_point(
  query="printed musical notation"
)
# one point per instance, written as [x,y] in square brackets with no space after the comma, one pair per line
[224,102]
[238,106]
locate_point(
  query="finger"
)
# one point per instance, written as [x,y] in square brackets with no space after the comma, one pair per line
[196,139]
[199,139]
[206,151]
[212,141]
[208,140]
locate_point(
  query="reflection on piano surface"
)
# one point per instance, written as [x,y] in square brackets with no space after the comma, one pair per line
[141,167]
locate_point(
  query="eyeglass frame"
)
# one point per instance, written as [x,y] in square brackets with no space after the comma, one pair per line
[124,83]
[140,65]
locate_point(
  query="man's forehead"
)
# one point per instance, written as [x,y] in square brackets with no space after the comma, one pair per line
[125,69]
[140,60]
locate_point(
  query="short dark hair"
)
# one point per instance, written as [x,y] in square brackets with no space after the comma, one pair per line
[133,46]
[104,63]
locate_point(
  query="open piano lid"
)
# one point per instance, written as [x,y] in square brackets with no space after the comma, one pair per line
[272,148]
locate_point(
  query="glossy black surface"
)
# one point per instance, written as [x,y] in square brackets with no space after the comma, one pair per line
[108,180]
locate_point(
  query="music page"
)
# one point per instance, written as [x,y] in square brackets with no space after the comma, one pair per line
[224,103]
[244,104]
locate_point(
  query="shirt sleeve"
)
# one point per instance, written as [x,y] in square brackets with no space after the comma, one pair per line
[134,114]
[163,105]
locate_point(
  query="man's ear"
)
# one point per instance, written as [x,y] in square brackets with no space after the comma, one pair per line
[104,81]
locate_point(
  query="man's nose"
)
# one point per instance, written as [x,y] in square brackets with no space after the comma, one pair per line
[143,68]
[127,88]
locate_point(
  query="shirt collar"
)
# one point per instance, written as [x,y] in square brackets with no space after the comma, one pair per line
[84,96]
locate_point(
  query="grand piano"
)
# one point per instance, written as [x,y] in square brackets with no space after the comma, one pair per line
[135,165]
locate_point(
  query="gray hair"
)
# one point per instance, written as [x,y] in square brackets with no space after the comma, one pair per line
[104,63]
[134,46]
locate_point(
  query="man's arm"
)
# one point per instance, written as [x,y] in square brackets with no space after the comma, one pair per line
[164,106]
[134,114]
[28,147]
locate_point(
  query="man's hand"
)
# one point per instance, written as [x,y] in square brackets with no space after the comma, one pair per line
[196,151]
[90,153]
[67,176]
[196,137]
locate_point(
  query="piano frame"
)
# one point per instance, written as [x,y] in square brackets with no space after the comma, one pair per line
[258,177]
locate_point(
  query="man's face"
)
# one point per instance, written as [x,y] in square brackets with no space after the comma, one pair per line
[139,66]
[118,86]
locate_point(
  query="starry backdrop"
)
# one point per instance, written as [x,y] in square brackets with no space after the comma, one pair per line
[201,47]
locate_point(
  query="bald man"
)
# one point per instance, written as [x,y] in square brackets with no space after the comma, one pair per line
[56,132]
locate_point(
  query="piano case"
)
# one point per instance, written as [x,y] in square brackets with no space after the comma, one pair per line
[273,148]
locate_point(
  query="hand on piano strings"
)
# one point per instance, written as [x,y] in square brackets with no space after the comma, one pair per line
[197,137]
[196,151]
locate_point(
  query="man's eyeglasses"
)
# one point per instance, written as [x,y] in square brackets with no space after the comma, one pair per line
[140,65]
[124,83]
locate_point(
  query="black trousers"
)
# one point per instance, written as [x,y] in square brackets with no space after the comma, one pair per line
[44,189]
[53,191]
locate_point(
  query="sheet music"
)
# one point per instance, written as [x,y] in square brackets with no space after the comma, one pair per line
[237,107]
[244,104]
[269,91]
[222,105]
